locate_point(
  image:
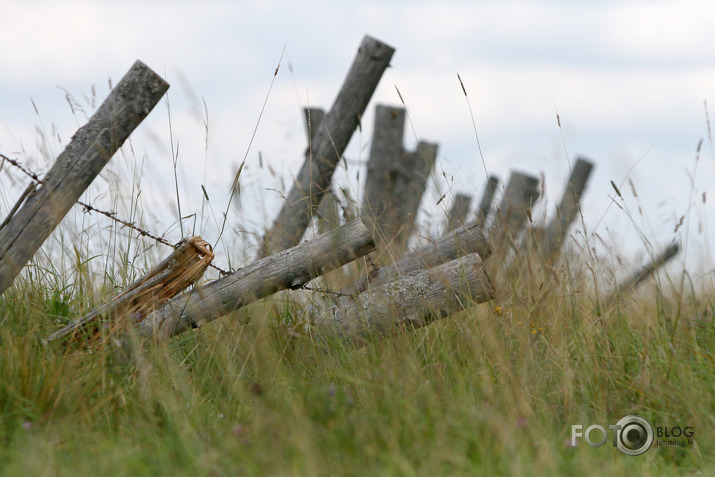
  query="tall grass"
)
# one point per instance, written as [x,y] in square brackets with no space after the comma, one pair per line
[492,390]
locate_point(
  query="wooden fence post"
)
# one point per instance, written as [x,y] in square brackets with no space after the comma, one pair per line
[76,167]
[458,212]
[388,173]
[328,211]
[567,210]
[291,268]
[412,301]
[396,180]
[521,192]
[486,203]
[646,271]
[461,241]
[313,119]
[330,141]
[422,160]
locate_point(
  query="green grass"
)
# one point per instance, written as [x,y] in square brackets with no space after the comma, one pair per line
[484,392]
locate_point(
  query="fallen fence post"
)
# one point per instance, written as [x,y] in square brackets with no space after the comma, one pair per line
[330,141]
[458,212]
[412,301]
[646,271]
[486,203]
[567,210]
[461,241]
[288,269]
[76,167]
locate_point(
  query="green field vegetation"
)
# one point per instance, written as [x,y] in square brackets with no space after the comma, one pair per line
[493,390]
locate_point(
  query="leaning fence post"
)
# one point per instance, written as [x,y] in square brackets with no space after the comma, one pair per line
[568,208]
[387,172]
[458,212]
[486,203]
[76,167]
[521,192]
[330,141]
[328,210]
[457,243]
[422,160]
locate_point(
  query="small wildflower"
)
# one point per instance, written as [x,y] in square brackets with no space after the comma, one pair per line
[533,332]
[498,310]
[27,425]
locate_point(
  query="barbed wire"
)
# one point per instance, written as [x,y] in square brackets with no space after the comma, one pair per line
[87,208]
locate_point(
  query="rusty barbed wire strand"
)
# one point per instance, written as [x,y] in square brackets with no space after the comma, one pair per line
[88,208]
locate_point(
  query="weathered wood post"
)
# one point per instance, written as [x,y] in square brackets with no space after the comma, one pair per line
[461,241]
[458,212]
[328,211]
[486,203]
[330,141]
[411,301]
[388,173]
[422,160]
[567,209]
[313,119]
[521,192]
[76,167]
[646,271]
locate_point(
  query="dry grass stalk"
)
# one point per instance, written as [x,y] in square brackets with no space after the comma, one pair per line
[184,267]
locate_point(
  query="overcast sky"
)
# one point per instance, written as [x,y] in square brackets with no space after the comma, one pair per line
[628,79]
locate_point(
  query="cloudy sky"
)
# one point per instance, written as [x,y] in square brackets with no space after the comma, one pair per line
[629,80]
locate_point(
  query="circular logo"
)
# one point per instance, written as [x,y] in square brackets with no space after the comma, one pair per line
[634,436]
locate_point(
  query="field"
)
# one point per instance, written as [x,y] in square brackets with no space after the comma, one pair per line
[493,390]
